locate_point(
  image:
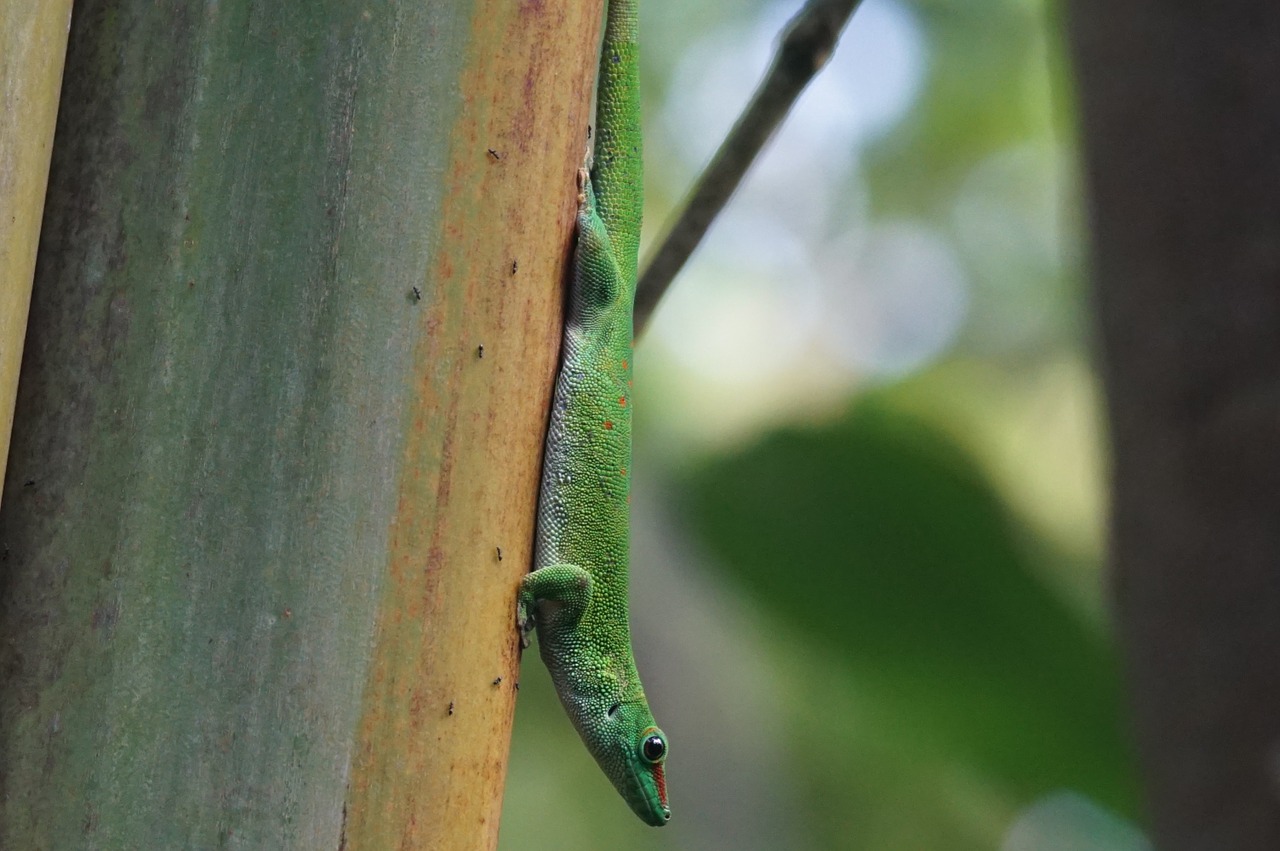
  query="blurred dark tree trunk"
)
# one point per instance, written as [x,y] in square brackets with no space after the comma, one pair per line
[1181,122]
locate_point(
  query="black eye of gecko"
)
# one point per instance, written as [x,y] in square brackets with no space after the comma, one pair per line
[654,748]
[613,710]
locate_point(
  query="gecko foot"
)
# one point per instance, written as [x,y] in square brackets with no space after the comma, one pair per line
[583,177]
[525,620]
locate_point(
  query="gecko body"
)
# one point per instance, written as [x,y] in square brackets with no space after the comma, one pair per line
[576,595]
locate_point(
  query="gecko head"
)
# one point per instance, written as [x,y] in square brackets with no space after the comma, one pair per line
[634,760]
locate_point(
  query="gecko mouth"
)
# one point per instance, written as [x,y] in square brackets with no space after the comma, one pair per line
[660,777]
[661,813]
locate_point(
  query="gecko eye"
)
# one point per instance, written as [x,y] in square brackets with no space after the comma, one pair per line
[654,747]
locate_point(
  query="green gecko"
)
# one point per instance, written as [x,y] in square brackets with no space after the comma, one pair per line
[576,596]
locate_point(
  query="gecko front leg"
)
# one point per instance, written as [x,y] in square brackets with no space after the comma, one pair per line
[555,597]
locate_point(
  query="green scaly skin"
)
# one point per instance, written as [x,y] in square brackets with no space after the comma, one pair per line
[576,596]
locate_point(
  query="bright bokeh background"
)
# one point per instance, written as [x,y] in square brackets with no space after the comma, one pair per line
[866,592]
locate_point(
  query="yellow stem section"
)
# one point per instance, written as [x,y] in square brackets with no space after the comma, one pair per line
[33,43]
[431,752]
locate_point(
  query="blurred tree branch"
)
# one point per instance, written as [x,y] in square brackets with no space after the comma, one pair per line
[803,49]
[1181,115]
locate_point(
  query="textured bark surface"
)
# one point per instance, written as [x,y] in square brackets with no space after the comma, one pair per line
[33,40]
[1181,108]
[260,471]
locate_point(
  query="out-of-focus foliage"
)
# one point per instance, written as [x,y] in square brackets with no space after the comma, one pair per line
[866,584]
[883,544]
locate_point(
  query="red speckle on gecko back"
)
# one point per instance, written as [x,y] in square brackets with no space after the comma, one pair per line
[608,425]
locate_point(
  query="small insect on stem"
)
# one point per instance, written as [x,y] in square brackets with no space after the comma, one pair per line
[480,350]
[499,553]
[497,681]
[515,264]
[495,154]
[451,707]
[417,295]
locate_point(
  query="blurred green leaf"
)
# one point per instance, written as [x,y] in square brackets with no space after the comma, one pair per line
[880,540]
